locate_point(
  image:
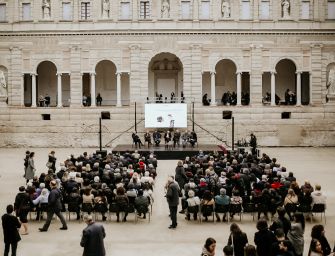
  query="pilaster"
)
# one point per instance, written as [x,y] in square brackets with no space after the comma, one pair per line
[14,89]
[316,69]
[75,78]
[256,74]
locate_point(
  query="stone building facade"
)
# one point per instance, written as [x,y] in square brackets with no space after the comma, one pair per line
[128,50]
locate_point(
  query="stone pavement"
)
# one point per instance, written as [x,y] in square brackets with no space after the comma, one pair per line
[154,238]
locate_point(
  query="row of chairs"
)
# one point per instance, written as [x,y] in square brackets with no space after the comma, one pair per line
[232,209]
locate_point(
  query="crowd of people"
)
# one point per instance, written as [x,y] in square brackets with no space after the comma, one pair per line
[290,98]
[228,98]
[171,139]
[206,182]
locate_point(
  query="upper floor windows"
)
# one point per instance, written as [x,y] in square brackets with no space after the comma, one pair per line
[245,10]
[85,10]
[305,9]
[265,10]
[67,10]
[26,11]
[205,7]
[186,11]
[145,10]
[3,12]
[331,10]
[125,10]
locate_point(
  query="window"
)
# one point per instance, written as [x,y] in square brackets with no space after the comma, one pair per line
[331,9]
[144,10]
[265,10]
[85,11]
[305,10]
[205,10]
[186,10]
[67,11]
[26,11]
[2,12]
[245,10]
[125,11]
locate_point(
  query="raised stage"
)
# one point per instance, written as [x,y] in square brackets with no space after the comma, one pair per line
[172,153]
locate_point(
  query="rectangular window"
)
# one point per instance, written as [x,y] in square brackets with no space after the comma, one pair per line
[26,11]
[186,10]
[305,10]
[265,10]
[205,10]
[2,12]
[331,10]
[125,11]
[85,11]
[144,10]
[245,10]
[67,11]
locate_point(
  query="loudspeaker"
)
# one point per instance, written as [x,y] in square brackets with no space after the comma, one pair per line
[103,153]
[285,115]
[46,117]
[105,115]
[226,114]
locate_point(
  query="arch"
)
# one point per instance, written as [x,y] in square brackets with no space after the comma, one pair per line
[46,82]
[39,62]
[220,58]
[94,66]
[279,59]
[105,81]
[226,82]
[165,75]
[286,81]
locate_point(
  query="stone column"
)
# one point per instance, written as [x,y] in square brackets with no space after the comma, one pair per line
[298,95]
[59,90]
[316,70]
[213,100]
[93,104]
[22,90]
[118,89]
[273,88]
[310,89]
[239,88]
[76,81]
[33,90]
[135,79]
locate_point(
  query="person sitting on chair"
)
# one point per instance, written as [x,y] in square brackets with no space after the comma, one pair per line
[193,138]
[205,100]
[99,99]
[141,204]
[185,138]
[167,138]
[176,138]
[147,138]
[47,100]
[157,137]
[136,140]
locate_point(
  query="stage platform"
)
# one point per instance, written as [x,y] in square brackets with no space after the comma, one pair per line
[172,153]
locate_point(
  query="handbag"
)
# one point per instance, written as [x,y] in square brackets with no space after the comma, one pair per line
[49,164]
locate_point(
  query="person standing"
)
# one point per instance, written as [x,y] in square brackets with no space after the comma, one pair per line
[253,144]
[22,208]
[30,170]
[11,226]
[93,238]
[52,161]
[54,207]
[26,159]
[172,196]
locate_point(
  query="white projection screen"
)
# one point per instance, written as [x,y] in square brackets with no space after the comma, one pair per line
[162,115]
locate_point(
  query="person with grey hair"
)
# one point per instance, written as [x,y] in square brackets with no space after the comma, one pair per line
[172,196]
[93,238]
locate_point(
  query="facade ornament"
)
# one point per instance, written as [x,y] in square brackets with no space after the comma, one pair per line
[286,9]
[331,81]
[3,85]
[165,10]
[105,9]
[225,9]
[46,9]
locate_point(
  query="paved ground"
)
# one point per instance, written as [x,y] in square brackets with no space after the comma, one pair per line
[154,238]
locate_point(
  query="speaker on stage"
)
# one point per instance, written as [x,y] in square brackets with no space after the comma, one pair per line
[105,115]
[226,114]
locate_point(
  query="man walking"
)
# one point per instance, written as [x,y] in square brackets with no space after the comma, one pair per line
[54,207]
[11,227]
[172,196]
[93,238]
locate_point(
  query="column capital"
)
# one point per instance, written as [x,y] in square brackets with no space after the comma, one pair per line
[59,74]
[33,74]
[298,72]
[212,72]
[134,46]
[238,72]
[118,73]
[273,72]
[93,74]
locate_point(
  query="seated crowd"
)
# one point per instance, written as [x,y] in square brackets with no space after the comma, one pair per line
[90,183]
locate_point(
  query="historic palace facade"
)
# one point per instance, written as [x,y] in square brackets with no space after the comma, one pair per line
[127,51]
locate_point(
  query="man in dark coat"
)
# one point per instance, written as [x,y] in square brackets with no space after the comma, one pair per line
[172,196]
[54,207]
[93,238]
[11,227]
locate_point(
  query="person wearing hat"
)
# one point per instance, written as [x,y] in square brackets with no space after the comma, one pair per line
[93,238]
[55,207]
